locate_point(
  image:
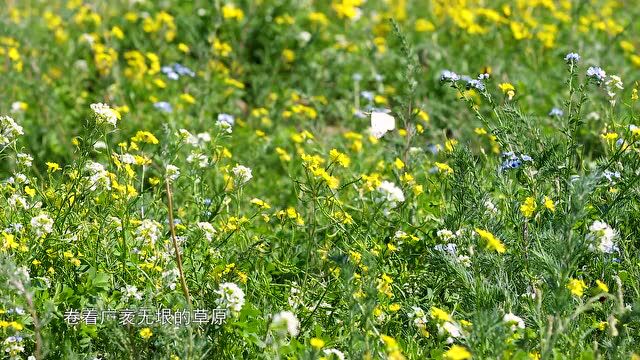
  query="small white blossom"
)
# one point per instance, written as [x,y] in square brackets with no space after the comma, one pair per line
[285,322]
[242,173]
[9,130]
[105,114]
[231,297]
[515,322]
[42,224]
[172,172]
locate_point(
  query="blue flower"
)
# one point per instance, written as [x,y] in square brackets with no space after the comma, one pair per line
[367,95]
[572,58]
[183,70]
[555,112]
[449,76]
[163,106]
[475,84]
[596,73]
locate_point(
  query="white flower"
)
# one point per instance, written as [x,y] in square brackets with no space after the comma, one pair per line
[105,114]
[514,321]
[381,123]
[226,121]
[196,157]
[18,106]
[445,234]
[172,172]
[242,173]
[42,224]
[130,291]
[24,159]
[16,200]
[98,176]
[450,328]
[9,130]
[332,351]
[148,231]
[601,236]
[391,193]
[285,322]
[207,229]
[231,297]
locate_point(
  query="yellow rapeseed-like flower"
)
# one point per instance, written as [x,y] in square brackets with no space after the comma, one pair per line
[52,167]
[439,314]
[549,204]
[602,286]
[529,207]
[457,352]
[316,343]
[493,242]
[576,287]
[508,89]
[146,333]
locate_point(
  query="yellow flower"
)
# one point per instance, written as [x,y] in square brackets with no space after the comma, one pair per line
[423,25]
[260,203]
[52,167]
[340,158]
[316,343]
[492,242]
[288,55]
[507,88]
[609,136]
[457,352]
[398,164]
[183,47]
[528,207]
[145,137]
[117,32]
[602,286]
[394,307]
[230,11]
[30,191]
[576,287]
[188,98]
[9,242]
[548,203]
[439,314]
[146,333]
[444,168]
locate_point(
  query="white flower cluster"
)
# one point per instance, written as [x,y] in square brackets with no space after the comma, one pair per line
[515,322]
[612,85]
[172,172]
[285,322]
[231,297]
[601,237]
[226,121]
[13,346]
[105,114]
[130,291]
[208,230]
[242,173]
[42,224]
[451,330]
[148,231]
[391,193]
[99,176]
[419,317]
[9,130]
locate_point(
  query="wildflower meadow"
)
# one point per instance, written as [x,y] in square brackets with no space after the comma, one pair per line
[319,179]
